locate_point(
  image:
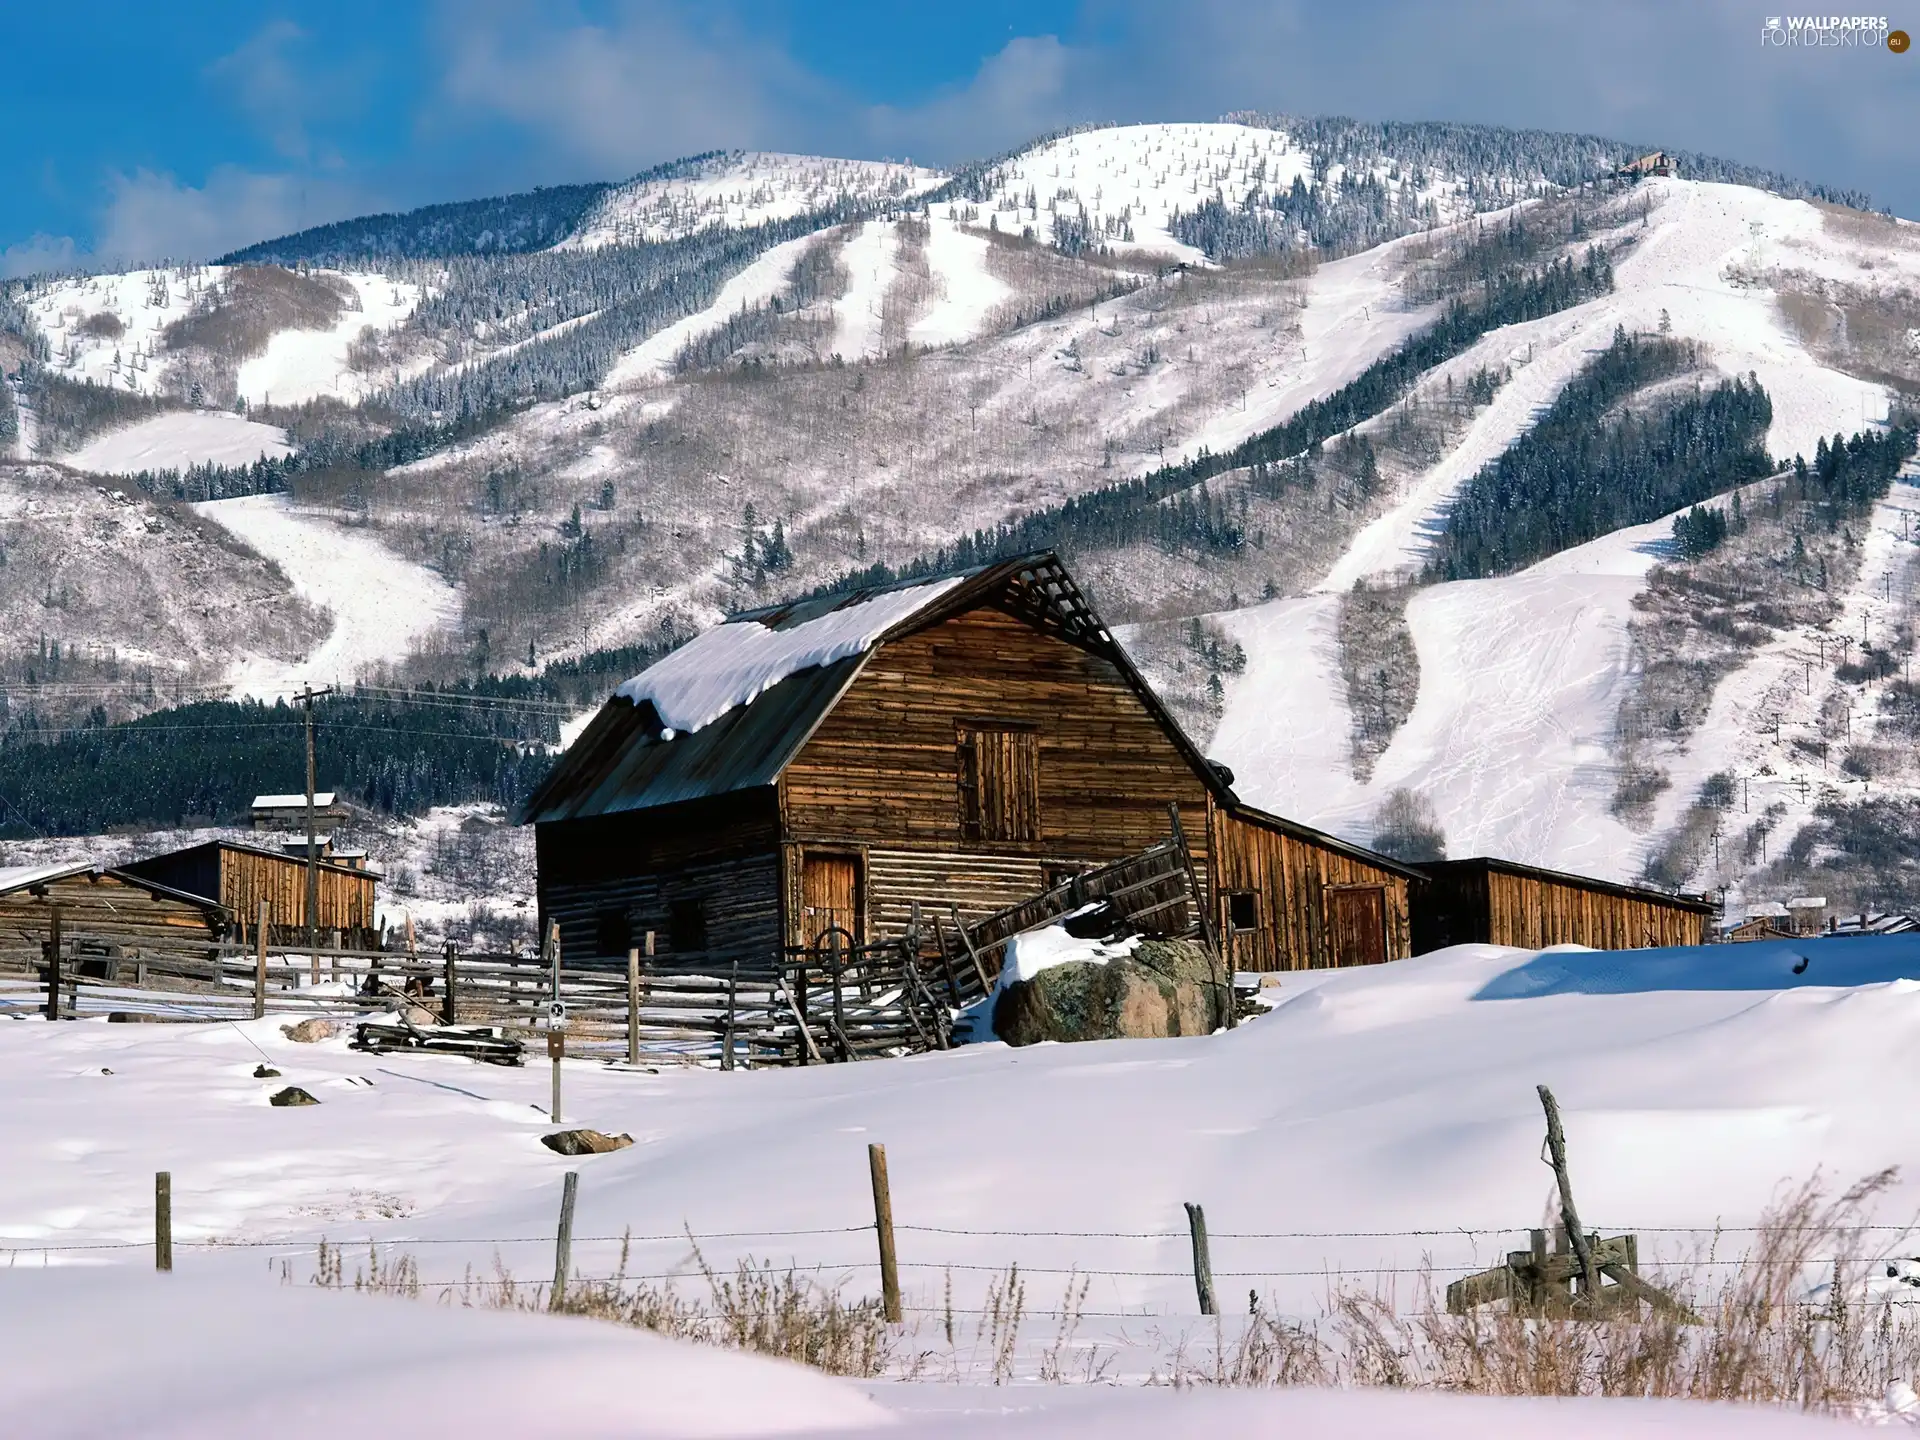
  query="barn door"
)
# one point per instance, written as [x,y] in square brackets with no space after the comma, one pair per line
[829,897]
[1357,925]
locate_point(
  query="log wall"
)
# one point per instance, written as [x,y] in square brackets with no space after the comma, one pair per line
[884,768]
[720,854]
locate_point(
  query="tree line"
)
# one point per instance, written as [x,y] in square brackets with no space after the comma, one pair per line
[1578,474]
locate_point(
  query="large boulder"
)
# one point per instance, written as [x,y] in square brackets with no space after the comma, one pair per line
[1163,988]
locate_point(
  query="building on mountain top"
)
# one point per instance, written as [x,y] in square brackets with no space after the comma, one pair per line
[973,738]
[1501,902]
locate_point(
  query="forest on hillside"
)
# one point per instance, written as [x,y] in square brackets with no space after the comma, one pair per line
[1594,464]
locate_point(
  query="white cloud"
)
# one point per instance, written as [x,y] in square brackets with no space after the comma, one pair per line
[152,217]
[269,89]
[39,253]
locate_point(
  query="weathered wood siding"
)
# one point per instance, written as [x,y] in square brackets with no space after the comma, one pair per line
[721,855]
[1294,880]
[106,909]
[1527,911]
[885,768]
[1468,904]
[346,897]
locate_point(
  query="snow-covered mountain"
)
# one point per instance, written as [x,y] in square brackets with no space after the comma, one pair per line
[564,422]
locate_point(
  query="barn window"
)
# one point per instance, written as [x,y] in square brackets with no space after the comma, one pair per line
[999,768]
[1243,910]
[613,933]
[687,926]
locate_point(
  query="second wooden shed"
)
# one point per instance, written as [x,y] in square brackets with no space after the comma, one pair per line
[1501,902]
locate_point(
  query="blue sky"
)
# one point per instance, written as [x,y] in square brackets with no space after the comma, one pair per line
[137,130]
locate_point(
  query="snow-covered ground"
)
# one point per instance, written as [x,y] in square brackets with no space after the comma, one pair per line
[302,365]
[382,605]
[107,328]
[766,277]
[1131,179]
[1375,1121]
[177,440]
[743,188]
[869,261]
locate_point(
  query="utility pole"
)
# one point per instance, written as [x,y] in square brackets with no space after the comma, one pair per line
[308,696]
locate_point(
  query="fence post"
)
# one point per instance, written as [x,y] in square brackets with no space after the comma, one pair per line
[260,961]
[883,1227]
[733,1001]
[563,1241]
[1202,1261]
[53,962]
[633,1002]
[448,1010]
[1569,1216]
[163,1220]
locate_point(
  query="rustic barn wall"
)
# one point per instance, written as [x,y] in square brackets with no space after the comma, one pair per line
[885,766]
[1530,912]
[105,908]
[1473,901]
[345,897]
[704,876]
[1299,912]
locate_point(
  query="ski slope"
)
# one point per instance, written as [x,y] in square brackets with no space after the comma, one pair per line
[1510,737]
[652,360]
[177,440]
[303,365]
[966,292]
[382,605]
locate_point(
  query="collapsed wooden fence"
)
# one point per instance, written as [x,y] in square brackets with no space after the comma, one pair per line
[834,1001]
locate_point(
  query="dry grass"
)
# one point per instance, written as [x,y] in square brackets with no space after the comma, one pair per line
[1766,1335]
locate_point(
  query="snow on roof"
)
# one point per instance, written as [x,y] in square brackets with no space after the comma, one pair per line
[1767,910]
[1807,902]
[291,802]
[18,877]
[735,663]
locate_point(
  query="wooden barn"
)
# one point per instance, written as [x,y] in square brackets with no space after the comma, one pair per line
[102,911]
[973,739]
[1499,902]
[239,876]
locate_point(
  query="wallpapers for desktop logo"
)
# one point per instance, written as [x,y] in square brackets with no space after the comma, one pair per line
[1832,32]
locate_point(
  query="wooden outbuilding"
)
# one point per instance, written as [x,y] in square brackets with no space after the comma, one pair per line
[1501,902]
[103,911]
[972,739]
[239,876]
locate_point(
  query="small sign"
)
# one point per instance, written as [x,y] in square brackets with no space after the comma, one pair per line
[556,1014]
[556,1045]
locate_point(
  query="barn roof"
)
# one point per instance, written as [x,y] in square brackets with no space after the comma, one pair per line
[137,867]
[25,877]
[1243,811]
[1439,869]
[730,709]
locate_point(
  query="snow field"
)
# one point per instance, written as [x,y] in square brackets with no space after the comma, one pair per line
[145,302]
[1136,176]
[1376,1102]
[226,1361]
[177,440]
[740,189]
[381,604]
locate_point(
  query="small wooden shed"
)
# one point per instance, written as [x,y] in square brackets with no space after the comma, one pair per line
[239,877]
[1501,902]
[102,909]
